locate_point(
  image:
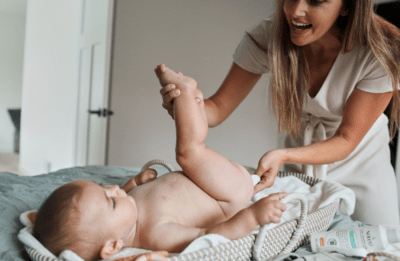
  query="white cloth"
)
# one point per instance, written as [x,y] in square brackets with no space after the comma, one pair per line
[367,170]
[318,196]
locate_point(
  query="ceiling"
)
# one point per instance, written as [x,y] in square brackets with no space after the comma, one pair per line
[13,6]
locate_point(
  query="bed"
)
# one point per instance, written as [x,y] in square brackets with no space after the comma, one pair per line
[19,194]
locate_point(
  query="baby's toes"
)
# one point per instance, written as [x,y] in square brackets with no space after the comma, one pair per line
[159,70]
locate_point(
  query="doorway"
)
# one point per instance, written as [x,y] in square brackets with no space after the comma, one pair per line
[12,28]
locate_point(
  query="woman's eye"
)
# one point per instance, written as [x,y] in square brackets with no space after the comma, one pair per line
[316,2]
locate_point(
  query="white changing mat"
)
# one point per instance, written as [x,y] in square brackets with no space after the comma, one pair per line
[320,195]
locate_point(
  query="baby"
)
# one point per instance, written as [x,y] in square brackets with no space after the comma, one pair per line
[209,196]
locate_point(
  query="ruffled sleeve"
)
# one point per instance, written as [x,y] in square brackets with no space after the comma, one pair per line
[252,52]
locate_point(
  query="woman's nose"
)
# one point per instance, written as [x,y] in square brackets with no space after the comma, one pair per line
[299,8]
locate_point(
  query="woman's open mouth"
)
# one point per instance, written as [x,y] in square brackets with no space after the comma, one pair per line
[300,26]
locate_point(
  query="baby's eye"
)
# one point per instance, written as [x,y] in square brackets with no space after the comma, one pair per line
[113,202]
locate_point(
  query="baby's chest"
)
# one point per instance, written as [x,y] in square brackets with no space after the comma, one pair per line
[182,202]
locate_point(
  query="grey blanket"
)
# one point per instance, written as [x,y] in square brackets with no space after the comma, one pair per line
[19,194]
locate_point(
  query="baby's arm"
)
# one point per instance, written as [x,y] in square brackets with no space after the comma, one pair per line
[264,211]
[219,177]
[143,177]
[176,237]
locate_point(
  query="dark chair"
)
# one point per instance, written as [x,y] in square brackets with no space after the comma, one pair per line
[390,11]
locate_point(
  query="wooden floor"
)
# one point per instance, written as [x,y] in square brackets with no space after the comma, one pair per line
[9,163]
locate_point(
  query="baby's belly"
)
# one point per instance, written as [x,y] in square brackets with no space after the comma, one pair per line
[174,197]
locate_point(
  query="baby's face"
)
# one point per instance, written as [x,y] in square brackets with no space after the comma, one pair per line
[109,210]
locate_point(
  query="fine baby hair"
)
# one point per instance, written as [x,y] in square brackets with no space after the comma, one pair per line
[57,224]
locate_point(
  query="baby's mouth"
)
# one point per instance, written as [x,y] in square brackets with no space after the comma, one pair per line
[300,26]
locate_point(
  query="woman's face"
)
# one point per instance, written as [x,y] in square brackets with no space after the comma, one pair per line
[312,21]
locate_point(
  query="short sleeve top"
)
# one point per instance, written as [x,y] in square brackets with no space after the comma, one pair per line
[366,72]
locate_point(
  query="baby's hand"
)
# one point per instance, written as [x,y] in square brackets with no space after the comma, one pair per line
[143,177]
[269,210]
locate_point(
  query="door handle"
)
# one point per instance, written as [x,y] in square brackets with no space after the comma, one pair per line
[107,112]
[98,112]
[102,112]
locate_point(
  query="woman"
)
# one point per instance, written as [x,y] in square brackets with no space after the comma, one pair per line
[334,69]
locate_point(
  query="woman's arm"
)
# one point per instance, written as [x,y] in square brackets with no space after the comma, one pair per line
[237,85]
[234,89]
[361,111]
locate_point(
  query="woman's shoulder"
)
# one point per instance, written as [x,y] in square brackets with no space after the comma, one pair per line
[366,71]
[360,57]
[261,33]
[252,52]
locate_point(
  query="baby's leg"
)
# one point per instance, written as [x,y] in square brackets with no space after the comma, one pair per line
[224,180]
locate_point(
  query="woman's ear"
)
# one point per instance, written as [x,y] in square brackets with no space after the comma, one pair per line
[111,247]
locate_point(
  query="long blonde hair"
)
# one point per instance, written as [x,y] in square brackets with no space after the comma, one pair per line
[289,71]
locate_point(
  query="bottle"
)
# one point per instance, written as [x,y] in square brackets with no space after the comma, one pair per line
[358,241]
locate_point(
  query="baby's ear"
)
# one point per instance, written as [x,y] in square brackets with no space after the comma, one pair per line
[28,218]
[32,216]
[111,247]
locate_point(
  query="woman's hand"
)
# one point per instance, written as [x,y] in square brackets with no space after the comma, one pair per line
[268,168]
[169,92]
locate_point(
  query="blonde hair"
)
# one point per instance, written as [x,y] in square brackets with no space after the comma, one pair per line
[289,71]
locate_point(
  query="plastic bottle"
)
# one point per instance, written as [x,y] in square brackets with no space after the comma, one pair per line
[357,241]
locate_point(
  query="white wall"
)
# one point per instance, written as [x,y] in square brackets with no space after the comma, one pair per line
[197,38]
[12,30]
[49,97]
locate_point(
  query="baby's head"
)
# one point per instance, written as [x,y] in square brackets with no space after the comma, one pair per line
[88,219]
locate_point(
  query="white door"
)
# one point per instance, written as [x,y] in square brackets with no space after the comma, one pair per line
[94,74]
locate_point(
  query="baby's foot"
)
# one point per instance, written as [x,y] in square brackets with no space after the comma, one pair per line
[168,76]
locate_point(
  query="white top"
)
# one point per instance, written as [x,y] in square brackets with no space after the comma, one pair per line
[367,170]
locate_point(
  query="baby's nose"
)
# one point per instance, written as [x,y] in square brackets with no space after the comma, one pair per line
[120,192]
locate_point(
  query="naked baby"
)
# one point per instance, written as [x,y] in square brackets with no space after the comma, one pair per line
[209,196]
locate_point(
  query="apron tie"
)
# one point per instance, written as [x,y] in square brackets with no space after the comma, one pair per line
[315,128]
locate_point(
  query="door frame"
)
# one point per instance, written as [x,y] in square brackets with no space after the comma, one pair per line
[82,115]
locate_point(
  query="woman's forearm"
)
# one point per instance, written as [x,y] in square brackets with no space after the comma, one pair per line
[213,113]
[323,152]
[236,86]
